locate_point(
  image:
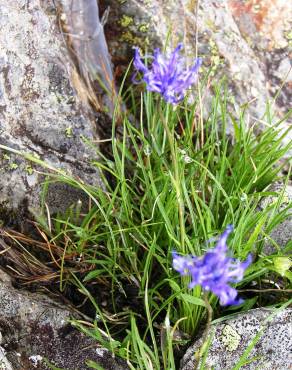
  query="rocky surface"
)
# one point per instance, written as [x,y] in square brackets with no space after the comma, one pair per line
[232,337]
[40,113]
[280,236]
[246,40]
[34,328]
[4,363]
[266,27]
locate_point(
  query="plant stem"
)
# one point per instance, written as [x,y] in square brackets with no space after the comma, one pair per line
[181,208]
[206,333]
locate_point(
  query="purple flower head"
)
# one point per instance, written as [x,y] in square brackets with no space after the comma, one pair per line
[168,74]
[214,271]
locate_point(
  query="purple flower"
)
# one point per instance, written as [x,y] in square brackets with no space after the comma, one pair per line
[168,74]
[214,271]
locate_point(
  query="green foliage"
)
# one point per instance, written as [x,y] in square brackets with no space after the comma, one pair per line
[171,184]
[174,181]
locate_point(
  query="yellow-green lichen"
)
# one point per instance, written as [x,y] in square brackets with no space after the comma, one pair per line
[288,36]
[144,27]
[126,21]
[29,170]
[13,166]
[215,58]
[122,1]
[213,46]
[230,338]
[130,38]
[211,25]
[6,157]
[69,132]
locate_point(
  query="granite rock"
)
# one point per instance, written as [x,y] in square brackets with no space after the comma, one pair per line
[281,234]
[34,328]
[232,337]
[4,363]
[40,113]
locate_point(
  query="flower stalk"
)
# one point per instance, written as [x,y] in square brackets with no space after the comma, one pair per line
[199,353]
[181,208]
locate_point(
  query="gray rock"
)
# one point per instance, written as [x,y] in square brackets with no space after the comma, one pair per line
[232,337]
[281,234]
[40,113]
[35,328]
[236,38]
[266,27]
[4,363]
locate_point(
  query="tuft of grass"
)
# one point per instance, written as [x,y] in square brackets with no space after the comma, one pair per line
[170,183]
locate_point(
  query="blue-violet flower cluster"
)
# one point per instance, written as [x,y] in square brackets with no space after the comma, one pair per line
[168,74]
[214,271]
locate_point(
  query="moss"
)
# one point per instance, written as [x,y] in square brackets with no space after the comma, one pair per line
[230,338]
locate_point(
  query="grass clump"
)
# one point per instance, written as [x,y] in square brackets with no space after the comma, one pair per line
[174,180]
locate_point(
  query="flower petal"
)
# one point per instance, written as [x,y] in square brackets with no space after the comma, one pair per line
[168,74]
[214,271]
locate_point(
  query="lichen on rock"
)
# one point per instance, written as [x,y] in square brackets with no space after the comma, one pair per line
[233,336]
[230,338]
[38,104]
[33,328]
[236,39]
